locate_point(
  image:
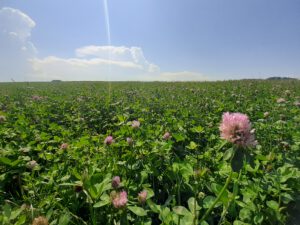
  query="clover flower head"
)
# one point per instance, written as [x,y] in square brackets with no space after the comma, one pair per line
[280,100]
[266,114]
[297,103]
[32,164]
[135,124]
[2,118]
[120,200]
[36,98]
[129,140]
[236,128]
[115,183]
[108,140]
[64,146]
[40,221]
[142,196]
[167,136]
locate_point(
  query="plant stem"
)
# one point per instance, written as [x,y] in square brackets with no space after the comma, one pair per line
[124,220]
[178,195]
[235,190]
[195,212]
[279,190]
[217,199]
[178,192]
[93,214]
[20,185]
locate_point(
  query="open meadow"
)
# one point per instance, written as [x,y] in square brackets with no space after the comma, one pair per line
[150,153]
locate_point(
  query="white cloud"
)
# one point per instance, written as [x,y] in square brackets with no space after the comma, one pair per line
[15,45]
[15,22]
[95,63]
[107,63]
[117,53]
[53,67]
[18,58]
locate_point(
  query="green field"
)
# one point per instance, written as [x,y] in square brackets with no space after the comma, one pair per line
[55,162]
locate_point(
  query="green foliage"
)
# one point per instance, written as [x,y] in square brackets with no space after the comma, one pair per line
[194,177]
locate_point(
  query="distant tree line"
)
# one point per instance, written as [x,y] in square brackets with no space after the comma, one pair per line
[281,78]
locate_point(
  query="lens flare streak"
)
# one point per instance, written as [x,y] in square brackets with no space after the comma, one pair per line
[107,23]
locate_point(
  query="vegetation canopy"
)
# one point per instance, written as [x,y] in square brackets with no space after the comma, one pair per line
[150,153]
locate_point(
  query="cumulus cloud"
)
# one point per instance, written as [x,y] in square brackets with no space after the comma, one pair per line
[53,67]
[16,23]
[107,63]
[19,61]
[15,45]
[120,67]
[96,63]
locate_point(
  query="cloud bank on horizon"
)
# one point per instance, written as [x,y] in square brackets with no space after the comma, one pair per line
[19,59]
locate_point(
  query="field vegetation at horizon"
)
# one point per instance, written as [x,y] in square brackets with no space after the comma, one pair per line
[148,153]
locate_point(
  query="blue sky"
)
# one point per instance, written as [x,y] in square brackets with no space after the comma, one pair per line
[150,39]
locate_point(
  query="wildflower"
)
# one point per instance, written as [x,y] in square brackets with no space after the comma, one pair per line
[24,206]
[297,103]
[64,146]
[32,164]
[135,124]
[120,200]
[281,100]
[2,119]
[25,150]
[236,128]
[40,221]
[36,98]
[129,140]
[285,144]
[108,140]
[115,183]
[167,136]
[142,197]
[80,99]
[266,114]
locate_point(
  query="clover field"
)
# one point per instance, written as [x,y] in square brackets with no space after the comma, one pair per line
[148,153]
